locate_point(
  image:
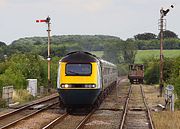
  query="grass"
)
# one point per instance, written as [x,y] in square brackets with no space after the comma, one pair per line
[166,120]
[142,54]
[98,53]
[161,119]
[22,96]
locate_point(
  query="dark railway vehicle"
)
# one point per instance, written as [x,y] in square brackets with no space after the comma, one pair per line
[83,79]
[136,73]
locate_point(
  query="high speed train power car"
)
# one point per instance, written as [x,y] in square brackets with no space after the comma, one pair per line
[83,79]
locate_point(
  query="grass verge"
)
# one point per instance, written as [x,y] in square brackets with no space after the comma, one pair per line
[166,120]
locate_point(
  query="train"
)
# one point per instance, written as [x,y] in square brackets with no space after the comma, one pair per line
[84,80]
[136,73]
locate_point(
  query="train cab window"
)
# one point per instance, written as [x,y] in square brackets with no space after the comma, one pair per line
[78,69]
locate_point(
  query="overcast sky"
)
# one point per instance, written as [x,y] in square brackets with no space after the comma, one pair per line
[122,18]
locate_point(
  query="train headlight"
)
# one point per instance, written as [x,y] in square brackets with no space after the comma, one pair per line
[62,86]
[93,86]
[90,86]
[66,86]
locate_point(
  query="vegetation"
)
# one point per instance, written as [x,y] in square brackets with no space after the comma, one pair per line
[20,67]
[150,36]
[145,54]
[67,43]
[26,58]
[169,34]
[120,52]
[166,120]
[151,74]
[171,73]
[145,36]
[21,95]
[170,43]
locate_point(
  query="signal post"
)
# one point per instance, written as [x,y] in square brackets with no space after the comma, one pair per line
[162,27]
[47,20]
[49,54]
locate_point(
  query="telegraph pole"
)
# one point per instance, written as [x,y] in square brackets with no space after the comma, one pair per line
[162,26]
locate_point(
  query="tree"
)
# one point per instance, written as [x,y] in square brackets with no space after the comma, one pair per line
[3,48]
[168,34]
[151,74]
[20,67]
[2,44]
[145,36]
[112,53]
[129,51]
[55,51]
[120,52]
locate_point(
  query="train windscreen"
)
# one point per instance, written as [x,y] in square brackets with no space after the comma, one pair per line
[78,69]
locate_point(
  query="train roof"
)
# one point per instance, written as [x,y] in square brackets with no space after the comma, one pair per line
[80,57]
[106,63]
[84,57]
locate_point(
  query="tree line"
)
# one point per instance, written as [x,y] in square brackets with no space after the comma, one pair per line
[115,49]
[67,43]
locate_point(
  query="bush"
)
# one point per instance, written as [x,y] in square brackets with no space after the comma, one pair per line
[2,103]
[177,104]
[22,96]
[177,87]
[26,66]
[151,75]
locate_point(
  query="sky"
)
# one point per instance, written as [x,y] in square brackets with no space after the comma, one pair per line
[122,18]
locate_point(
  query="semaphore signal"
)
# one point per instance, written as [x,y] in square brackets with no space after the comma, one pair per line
[47,20]
[41,21]
[162,25]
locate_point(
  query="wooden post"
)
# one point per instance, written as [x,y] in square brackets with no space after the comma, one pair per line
[49,54]
[161,51]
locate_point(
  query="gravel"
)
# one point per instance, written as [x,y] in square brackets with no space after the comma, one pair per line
[107,117]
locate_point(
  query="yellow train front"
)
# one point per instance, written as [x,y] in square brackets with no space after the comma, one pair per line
[82,77]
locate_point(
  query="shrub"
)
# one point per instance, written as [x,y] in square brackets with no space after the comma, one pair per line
[22,96]
[152,73]
[177,104]
[2,103]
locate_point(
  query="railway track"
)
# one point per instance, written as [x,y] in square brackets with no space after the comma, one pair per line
[10,119]
[136,114]
[67,121]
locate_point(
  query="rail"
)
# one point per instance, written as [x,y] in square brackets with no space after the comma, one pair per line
[8,116]
[24,107]
[125,108]
[148,111]
[149,118]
